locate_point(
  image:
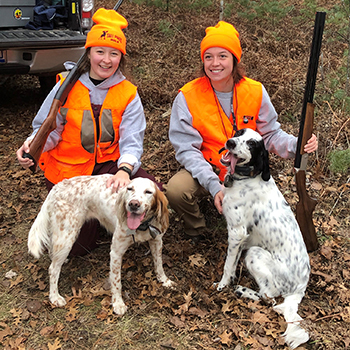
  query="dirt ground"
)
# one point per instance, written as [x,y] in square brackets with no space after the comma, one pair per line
[163,54]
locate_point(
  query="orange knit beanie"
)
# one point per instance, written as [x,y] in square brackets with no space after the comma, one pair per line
[107,30]
[222,35]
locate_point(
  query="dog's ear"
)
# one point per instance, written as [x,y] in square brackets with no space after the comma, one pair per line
[266,168]
[261,161]
[161,209]
[120,205]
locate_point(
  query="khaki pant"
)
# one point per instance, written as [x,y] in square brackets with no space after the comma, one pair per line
[183,193]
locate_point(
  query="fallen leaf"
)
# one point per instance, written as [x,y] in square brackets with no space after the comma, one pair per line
[226,338]
[264,341]
[326,251]
[227,307]
[346,342]
[184,307]
[346,314]
[33,305]
[56,345]
[163,303]
[316,185]
[18,280]
[197,312]
[102,315]
[260,317]
[16,313]
[41,285]
[333,222]
[327,278]
[46,330]
[75,294]
[169,344]
[71,314]
[346,274]
[176,322]
[5,332]
[197,260]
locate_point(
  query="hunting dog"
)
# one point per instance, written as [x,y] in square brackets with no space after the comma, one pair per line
[260,221]
[136,213]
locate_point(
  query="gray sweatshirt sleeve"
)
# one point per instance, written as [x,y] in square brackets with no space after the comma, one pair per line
[131,134]
[187,142]
[276,140]
[55,136]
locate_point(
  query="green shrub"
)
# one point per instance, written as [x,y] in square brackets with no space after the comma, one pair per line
[339,161]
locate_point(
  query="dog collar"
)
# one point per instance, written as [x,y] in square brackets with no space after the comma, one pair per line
[154,232]
[245,171]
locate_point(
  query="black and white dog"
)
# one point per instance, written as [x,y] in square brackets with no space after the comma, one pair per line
[260,221]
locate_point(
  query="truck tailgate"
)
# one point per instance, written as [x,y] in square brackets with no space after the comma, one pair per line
[26,38]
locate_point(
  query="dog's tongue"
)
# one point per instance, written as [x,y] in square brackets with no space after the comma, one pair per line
[228,158]
[134,220]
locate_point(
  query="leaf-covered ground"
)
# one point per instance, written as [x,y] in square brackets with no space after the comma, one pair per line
[163,48]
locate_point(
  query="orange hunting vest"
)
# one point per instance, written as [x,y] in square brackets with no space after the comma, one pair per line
[210,119]
[80,148]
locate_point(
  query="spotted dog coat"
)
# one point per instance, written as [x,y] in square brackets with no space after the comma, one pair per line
[260,221]
[73,201]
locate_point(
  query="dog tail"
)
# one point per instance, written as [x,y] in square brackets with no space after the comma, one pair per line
[294,334]
[38,237]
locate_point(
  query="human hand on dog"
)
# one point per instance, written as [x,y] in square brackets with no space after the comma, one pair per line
[311,145]
[218,198]
[24,162]
[118,181]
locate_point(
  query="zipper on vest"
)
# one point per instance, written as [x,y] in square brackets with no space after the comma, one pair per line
[99,151]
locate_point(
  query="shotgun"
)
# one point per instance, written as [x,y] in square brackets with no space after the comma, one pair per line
[38,143]
[306,204]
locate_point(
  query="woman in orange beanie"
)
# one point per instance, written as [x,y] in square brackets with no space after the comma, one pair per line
[206,112]
[100,127]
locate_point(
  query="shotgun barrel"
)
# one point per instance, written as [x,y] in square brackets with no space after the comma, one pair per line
[306,204]
[310,82]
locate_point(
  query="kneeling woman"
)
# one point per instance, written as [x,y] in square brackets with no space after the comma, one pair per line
[100,127]
[206,112]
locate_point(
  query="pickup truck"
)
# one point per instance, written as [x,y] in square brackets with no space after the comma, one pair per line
[38,36]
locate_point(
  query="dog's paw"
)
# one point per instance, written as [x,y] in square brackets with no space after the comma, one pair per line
[58,301]
[244,292]
[295,336]
[169,284]
[219,286]
[119,308]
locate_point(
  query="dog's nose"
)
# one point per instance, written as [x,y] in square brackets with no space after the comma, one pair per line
[230,144]
[134,204]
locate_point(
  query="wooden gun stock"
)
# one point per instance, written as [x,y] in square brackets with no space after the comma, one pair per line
[304,210]
[308,125]
[38,143]
[306,204]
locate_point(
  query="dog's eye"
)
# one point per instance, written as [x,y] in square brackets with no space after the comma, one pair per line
[251,143]
[148,192]
[129,188]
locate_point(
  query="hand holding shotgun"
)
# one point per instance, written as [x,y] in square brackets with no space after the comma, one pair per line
[306,205]
[30,152]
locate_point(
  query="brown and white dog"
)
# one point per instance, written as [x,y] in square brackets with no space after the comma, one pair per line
[137,213]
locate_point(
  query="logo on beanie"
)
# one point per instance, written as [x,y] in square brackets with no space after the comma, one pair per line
[103,35]
[112,37]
